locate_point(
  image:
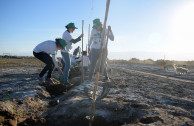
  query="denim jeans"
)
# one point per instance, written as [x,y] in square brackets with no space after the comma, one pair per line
[85,69]
[94,61]
[66,64]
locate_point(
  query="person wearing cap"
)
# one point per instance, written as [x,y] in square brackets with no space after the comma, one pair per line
[86,62]
[66,52]
[76,51]
[43,51]
[95,44]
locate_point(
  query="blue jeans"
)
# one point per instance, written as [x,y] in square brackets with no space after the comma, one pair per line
[66,64]
[94,61]
[85,69]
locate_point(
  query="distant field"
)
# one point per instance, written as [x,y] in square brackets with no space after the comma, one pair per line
[31,62]
[161,62]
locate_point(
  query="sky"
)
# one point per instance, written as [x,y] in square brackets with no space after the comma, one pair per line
[142,28]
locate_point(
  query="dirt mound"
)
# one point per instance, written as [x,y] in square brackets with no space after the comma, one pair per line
[6,114]
[74,108]
[74,72]
[33,121]
[56,89]
[17,112]
[149,120]
[7,118]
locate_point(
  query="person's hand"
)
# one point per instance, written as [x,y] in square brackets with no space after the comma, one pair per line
[88,50]
[60,71]
[82,35]
[109,28]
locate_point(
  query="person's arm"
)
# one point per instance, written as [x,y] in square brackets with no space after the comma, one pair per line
[52,51]
[91,40]
[56,64]
[77,60]
[88,60]
[55,60]
[110,35]
[66,36]
[89,44]
[75,40]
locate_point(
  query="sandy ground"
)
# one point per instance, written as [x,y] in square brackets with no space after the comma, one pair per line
[158,97]
[155,69]
[170,100]
[21,97]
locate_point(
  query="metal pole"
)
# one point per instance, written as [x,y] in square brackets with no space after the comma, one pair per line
[99,63]
[82,50]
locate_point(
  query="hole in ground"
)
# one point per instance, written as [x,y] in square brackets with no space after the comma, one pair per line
[82,121]
[56,89]
[149,120]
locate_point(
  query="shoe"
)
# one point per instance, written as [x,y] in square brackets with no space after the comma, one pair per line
[49,80]
[40,79]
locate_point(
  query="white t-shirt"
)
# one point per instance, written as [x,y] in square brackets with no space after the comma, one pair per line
[86,60]
[67,37]
[95,39]
[48,47]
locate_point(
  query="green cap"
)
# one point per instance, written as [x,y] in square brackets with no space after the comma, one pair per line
[63,43]
[96,23]
[71,25]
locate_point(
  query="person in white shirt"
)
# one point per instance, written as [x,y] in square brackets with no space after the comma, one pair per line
[67,52]
[86,61]
[73,62]
[43,51]
[95,44]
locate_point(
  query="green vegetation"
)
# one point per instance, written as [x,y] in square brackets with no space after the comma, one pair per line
[152,62]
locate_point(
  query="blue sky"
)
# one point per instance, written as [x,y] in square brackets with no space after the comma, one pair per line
[146,26]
